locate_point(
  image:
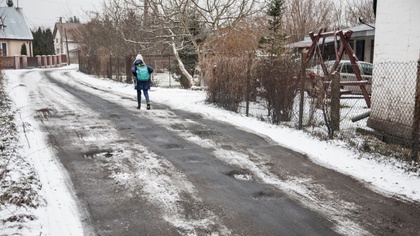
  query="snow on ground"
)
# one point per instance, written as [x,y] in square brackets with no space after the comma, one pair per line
[59,212]
[55,206]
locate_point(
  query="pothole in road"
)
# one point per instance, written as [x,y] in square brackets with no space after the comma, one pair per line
[97,127]
[178,126]
[241,175]
[114,116]
[265,195]
[173,146]
[227,147]
[94,154]
[204,133]
[43,114]
[193,159]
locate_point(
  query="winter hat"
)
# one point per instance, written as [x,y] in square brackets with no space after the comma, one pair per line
[139,57]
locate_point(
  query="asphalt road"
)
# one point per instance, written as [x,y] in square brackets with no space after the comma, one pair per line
[172,172]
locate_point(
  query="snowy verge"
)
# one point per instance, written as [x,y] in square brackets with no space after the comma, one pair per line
[48,205]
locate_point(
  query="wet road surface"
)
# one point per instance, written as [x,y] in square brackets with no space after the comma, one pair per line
[171,172]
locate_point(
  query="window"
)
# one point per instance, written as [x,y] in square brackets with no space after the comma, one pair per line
[367,68]
[360,50]
[4,49]
[347,68]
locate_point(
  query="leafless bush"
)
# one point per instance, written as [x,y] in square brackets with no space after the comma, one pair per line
[226,80]
[279,81]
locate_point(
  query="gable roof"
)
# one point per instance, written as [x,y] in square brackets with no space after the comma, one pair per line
[70,28]
[13,24]
[361,30]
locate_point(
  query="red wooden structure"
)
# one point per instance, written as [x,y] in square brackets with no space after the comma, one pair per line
[339,51]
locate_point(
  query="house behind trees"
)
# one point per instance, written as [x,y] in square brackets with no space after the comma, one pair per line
[64,35]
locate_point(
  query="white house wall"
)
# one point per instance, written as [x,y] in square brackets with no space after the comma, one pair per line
[397,32]
[58,44]
[397,49]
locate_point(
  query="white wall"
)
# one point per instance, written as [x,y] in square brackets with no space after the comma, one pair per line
[397,33]
[397,49]
[58,44]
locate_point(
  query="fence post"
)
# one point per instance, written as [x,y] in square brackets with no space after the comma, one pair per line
[118,69]
[110,67]
[169,71]
[128,64]
[17,62]
[416,118]
[302,88]
[248,83]
[335,102]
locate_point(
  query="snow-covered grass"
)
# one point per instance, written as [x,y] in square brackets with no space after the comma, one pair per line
[36,196]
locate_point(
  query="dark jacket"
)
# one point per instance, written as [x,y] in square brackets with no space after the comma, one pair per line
[140,85]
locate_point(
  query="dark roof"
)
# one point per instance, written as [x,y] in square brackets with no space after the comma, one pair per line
[13,24]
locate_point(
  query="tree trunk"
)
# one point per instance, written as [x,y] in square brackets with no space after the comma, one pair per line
[180,63]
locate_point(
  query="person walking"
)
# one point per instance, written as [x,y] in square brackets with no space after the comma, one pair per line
[142,77]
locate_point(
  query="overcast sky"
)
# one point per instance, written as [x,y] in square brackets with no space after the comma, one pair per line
[44,13]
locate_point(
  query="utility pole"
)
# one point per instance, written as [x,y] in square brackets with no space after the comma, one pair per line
[67,47]
[61,35]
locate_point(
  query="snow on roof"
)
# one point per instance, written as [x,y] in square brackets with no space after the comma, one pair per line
[361,30]
[13,24]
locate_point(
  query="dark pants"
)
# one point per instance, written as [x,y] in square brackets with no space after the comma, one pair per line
[146,95]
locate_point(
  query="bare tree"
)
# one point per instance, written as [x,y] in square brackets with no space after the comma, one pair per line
[177,17]
[338,14]
[305,16]
[359,8]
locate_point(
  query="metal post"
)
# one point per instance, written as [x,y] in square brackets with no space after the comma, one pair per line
[118,69]
[335,101]
[67,48]
[248,83]
[416,119]
[170,70]
[302,87]
[110,66]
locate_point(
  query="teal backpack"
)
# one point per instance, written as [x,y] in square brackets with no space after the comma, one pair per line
[142,73]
